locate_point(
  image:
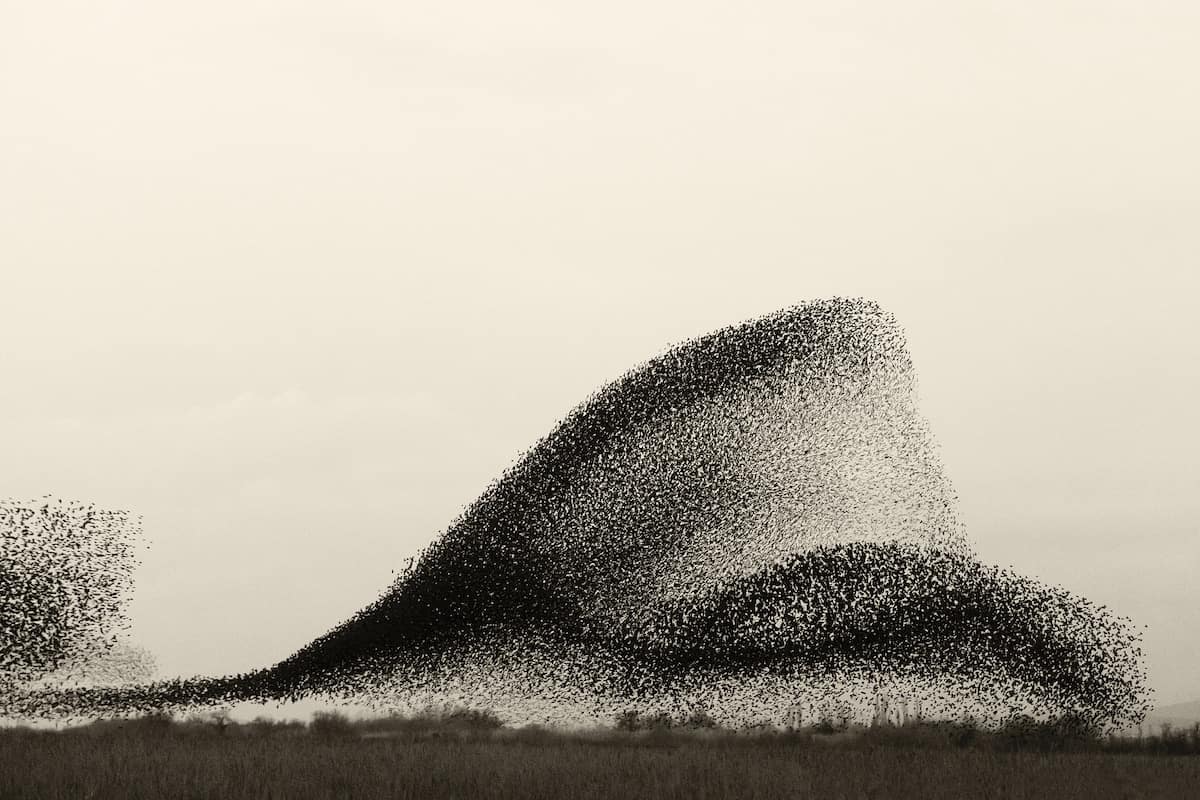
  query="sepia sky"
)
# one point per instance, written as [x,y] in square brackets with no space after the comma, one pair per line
[295,281]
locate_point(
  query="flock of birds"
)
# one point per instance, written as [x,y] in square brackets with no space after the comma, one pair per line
[754,520]
[66,570]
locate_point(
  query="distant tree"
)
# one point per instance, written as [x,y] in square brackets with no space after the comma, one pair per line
[662,721]
[629,720]
[220,720]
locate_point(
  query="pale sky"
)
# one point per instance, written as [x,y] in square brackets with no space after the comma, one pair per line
[295,281]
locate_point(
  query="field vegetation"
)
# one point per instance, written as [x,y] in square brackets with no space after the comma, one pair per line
[455,753]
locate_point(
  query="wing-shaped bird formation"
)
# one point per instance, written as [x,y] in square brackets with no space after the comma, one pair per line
[755,521]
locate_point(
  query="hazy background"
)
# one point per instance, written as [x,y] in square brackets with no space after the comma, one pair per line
[295,281]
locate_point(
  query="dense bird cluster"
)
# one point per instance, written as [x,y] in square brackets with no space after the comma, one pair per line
[756,520]
[66,570]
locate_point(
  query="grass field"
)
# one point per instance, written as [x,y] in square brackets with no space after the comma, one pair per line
[151,761]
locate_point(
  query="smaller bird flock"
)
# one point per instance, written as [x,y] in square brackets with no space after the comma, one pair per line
[67,572]
[755,521]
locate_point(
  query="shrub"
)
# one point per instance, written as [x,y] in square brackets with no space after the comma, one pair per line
[331,724]
[699,719]
[471,719]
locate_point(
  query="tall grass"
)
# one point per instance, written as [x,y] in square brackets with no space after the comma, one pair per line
[468,755]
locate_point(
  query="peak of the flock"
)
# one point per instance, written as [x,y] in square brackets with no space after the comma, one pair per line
[755,521]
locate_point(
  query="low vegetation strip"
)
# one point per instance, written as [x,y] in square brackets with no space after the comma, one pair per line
[470,755]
